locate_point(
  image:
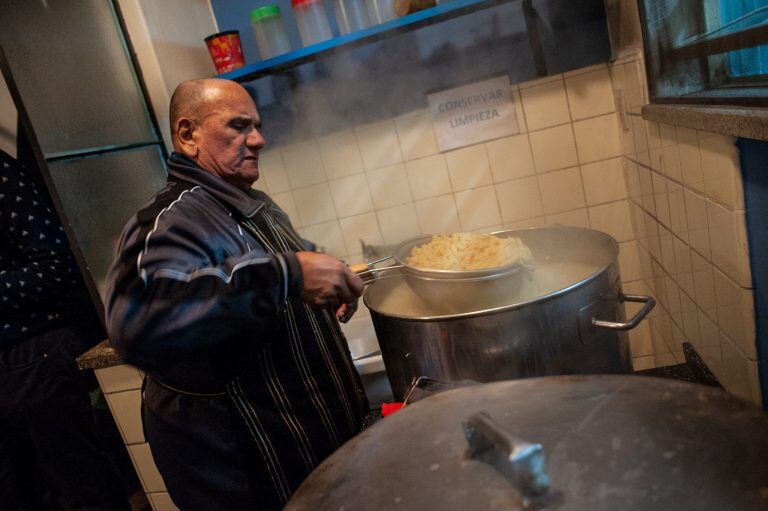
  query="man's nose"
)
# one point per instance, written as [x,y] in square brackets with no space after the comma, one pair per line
[255,140]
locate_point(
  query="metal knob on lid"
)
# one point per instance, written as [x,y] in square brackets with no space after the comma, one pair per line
[521,462]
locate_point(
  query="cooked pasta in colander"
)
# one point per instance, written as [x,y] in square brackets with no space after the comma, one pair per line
[464,251]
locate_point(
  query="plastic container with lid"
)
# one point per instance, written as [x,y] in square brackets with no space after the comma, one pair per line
[312,21]
[351,15]
[268,28]
[381,11]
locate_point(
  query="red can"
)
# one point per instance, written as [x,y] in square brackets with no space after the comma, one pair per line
[226,52]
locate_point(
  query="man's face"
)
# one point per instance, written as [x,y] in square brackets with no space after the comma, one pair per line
[228,138]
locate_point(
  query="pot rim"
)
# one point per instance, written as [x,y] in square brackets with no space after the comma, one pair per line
[614,245]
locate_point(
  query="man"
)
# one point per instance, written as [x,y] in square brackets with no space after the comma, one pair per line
[213,294]
[46,320]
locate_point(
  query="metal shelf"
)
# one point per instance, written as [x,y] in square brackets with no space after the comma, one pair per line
[437,14]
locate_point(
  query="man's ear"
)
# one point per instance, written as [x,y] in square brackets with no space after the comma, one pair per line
[185,134]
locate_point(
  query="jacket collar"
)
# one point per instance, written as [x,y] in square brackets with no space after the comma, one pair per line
[181,168]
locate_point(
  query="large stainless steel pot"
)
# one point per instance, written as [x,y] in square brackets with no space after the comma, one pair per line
[566,443]
[568,320]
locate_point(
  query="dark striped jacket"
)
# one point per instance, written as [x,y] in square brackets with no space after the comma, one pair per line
[204,292]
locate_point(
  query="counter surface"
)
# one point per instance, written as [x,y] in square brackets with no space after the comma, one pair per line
[100,356]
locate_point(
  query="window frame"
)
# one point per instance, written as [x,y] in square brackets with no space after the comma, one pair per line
[709,95]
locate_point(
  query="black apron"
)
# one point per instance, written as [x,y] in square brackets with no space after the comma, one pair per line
[250,444]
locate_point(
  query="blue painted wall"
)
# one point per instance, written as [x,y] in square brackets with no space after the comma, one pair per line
[754,169]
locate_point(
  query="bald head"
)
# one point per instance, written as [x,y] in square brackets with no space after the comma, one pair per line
[195,99]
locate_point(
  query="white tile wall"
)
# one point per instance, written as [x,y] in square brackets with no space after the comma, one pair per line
[612,218]
[302,164]
[597,138]
[389,186]
[686,205]
[125,407]
[590,94]
[121,385]
[355,228]
[162,502]
[469,167]
[151,479]
[545,105]
[574,218]
[314,204]
[340,155]
[428,177]
[118,378]
[553,148]
[562,190]
[351,195]
[519,199]
[398,223]
[379,145]
[604,181]
[416,135]
[510,158]
[438,214]
[478,208]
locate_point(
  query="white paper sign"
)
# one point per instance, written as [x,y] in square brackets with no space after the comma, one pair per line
[473,113]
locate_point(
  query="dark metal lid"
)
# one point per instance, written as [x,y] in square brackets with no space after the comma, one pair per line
[608,442]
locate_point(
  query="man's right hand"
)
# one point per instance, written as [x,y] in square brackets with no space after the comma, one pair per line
[328,282]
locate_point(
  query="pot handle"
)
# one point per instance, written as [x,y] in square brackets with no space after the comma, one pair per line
[520,462]
[649,302]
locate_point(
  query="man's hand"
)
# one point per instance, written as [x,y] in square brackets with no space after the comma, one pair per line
[346,311]
[328,283]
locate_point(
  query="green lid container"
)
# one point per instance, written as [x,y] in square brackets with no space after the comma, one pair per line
[262,13]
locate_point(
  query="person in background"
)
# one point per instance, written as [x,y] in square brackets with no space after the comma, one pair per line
[234,319]
[46,320]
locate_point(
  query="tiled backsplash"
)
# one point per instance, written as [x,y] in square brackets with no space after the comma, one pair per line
[578,160]
[687,208]
[388,181]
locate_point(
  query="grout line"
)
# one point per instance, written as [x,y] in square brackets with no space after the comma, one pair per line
[686,186]
[533,158]
[681,289]
[673,233]
[578,158]
[365,172]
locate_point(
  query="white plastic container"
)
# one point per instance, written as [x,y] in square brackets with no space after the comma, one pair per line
[312,21]
[268,28]
[381,11]
[351,15]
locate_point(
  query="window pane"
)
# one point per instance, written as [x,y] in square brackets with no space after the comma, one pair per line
[74,75]
[751,61]
[696,45]
[100,194]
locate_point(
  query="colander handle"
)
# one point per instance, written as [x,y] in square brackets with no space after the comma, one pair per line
[373,271]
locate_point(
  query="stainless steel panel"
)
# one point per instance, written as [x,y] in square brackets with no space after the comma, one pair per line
[100,194]
[72,69]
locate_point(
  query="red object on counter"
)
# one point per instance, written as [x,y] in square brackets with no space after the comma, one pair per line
[226,51]
[390,408]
